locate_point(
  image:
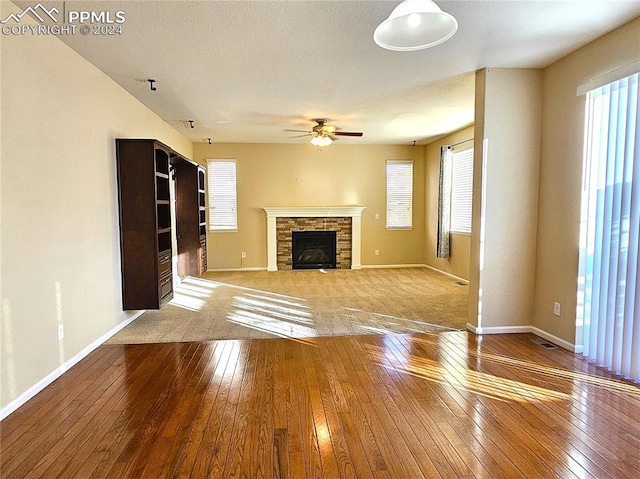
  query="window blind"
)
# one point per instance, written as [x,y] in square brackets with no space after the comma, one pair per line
[399,194]
[609,274]
[462,191]
[222,195]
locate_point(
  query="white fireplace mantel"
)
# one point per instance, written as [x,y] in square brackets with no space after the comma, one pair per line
[353,212]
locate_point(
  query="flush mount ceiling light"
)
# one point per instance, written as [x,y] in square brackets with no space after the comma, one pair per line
[415,25]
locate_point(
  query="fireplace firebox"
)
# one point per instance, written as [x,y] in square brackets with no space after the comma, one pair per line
[313,249]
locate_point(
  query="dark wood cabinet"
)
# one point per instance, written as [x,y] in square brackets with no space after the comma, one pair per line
[145,223]
[146,234]
[190,219]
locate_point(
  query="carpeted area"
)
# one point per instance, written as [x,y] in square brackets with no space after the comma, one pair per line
[303,303]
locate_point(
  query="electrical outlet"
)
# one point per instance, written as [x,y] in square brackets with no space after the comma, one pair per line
[60,331]
[377,252]
[244,254]
[377,216]
[556,308]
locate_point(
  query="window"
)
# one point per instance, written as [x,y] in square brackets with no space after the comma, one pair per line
[399,194]
[223,213]
[462,191]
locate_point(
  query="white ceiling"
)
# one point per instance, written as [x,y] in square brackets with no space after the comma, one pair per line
[244,71]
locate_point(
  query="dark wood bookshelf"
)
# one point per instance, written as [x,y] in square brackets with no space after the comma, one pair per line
[146,234]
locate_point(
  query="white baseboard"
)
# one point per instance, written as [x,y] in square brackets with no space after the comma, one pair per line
[499,329]
[224,270]
[364,266]
[383,266]
[576,348]
[60,370]
[526,329]
[457,278]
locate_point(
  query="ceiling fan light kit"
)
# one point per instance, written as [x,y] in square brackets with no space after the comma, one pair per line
[323,134]
[415,25]
[321,140]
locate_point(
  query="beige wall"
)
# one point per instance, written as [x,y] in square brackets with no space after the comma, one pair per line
[60,247]
[458,262]
[302,175]
[508,123]
[561,173]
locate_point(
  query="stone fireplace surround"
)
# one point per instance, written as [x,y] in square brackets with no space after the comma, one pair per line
[354,213]
[286,226]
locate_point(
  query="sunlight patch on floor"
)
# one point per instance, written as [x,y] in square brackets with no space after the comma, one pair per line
[271,325]
[280,301]
[393,322]
[275,310]
[280,315]
[488,385]
[187,301]
[605,383]
[192,293]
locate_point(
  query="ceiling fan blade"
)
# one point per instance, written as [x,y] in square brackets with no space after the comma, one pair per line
[347,133]
[300,136]
[299,131]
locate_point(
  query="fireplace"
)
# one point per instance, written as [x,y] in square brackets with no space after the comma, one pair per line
[283,220]
[313,249]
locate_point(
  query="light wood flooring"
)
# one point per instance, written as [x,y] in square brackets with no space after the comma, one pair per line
[378,406]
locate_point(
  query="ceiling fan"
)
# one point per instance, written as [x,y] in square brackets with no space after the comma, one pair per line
[324,134]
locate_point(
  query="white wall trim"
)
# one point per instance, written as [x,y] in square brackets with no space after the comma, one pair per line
[526,329]
[457,278]
[364,266]
[498,329]
[222,270]
[313,211]
[472,328]
[576,348]
[388,266]
[63,368]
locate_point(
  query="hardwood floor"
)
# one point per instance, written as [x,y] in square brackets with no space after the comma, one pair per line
[393,406]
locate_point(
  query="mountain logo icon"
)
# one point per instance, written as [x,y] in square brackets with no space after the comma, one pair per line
[39,12]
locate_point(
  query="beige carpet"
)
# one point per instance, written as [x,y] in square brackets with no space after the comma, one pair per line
[301,304]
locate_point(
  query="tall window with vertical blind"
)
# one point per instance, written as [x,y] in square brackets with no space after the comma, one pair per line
[399,194]
[223,202]
[609,276]
[461,191]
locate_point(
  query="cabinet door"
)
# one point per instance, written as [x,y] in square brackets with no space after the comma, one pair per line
[187,219]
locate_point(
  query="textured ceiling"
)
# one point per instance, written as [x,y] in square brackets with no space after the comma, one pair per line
[245,71]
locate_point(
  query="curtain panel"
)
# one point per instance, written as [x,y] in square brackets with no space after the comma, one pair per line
[444,201]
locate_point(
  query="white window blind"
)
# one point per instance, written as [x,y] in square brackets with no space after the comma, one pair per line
[609,275]
[462,191]
[399,194]
[222,195]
